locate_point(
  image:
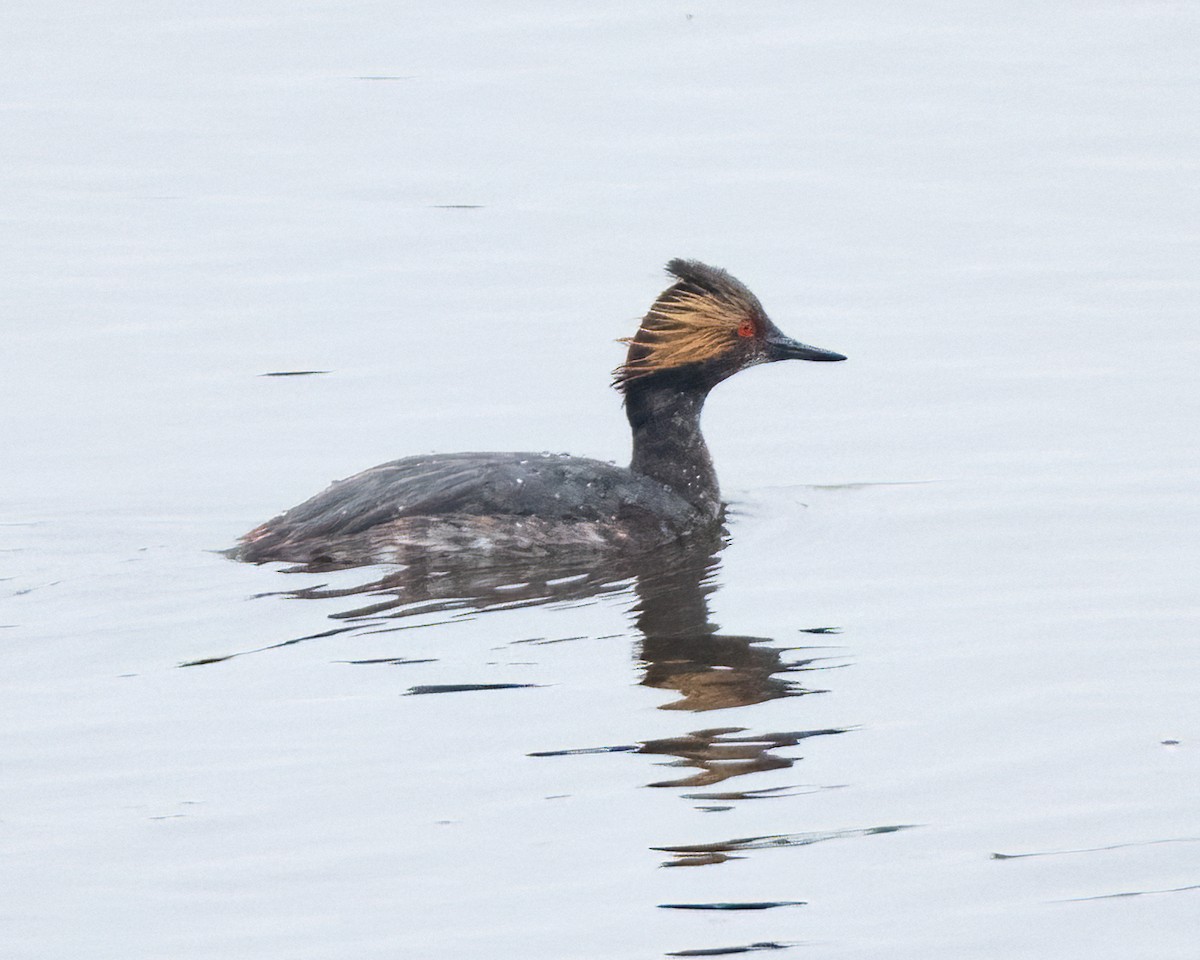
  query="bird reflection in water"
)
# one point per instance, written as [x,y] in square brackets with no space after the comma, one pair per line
[681,650]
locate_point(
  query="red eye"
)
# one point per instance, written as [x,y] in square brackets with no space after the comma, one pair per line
[746,328]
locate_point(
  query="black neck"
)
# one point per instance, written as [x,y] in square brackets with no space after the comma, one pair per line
[664,415]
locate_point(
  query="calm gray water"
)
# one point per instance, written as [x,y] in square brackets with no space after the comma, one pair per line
[959,594]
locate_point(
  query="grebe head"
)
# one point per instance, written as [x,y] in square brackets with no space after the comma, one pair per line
[703,328]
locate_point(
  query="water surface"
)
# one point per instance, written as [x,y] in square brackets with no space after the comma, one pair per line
[955,612]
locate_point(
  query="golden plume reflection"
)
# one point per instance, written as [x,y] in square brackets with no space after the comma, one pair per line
[682,650]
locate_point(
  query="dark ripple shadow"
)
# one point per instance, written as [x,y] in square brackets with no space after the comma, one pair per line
[1131,893]
[750,905]
[731,951]
[465,687]
[703,854]
[1111,846]
[765,793]
[1122,895]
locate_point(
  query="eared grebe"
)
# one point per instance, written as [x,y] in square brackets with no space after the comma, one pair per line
[703,328]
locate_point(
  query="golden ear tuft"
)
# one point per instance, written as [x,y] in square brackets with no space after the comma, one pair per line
[695,320]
